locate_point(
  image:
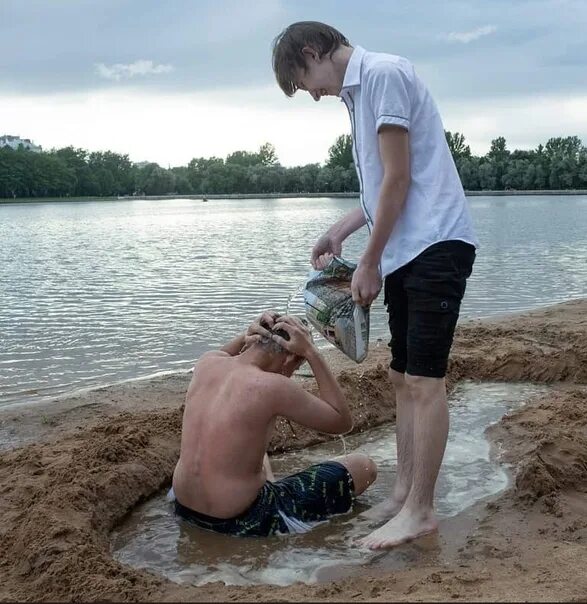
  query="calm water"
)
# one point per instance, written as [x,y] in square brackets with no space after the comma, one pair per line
[153,538]
[98,292]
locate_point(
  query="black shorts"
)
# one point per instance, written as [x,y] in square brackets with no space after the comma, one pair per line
[289,505]
[423,300]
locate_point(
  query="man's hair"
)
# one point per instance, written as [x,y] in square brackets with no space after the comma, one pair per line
[271,346]
[288,45]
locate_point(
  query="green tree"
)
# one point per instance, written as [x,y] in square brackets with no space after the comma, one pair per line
[487,176]
[456,144]
[267,155]
[468,168]
[341,153]
[563,157]
[498,157]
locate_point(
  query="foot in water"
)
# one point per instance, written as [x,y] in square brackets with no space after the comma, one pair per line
[406,526]
[383,511]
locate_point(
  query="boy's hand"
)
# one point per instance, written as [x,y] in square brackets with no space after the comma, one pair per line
[300,342]
[325,245]
[366,284]
[323,261]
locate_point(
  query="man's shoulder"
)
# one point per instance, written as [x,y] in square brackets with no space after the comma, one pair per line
[274,388]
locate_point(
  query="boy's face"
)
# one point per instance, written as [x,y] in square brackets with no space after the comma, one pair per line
[319,78]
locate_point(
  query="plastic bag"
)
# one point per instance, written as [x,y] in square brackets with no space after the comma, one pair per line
[331,310]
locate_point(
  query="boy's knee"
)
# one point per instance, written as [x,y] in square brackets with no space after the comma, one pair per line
[396,378]
[423,387]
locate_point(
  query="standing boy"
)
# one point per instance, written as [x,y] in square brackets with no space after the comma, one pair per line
[421,245]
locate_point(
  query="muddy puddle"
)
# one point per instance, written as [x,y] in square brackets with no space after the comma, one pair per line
[152,538]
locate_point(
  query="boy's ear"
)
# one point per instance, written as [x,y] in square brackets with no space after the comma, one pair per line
[312,53]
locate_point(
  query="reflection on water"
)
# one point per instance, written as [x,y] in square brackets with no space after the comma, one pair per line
[153,538]
[97,292]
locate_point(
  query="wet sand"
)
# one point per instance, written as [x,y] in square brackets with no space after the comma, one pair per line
[69,472]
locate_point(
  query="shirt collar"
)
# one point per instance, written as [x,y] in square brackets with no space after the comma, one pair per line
[352,75]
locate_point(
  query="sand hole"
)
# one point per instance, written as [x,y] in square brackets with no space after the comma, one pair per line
[152,538]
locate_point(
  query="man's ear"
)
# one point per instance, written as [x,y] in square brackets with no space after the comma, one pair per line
[290,358]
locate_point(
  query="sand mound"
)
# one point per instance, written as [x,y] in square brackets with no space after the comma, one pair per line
[554,434]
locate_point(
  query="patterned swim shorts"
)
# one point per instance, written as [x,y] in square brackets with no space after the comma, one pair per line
[289,505]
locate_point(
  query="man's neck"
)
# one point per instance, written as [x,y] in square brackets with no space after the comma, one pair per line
[259,358]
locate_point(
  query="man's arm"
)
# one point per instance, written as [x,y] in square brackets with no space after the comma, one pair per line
[394,150]
[257,327]
[268,470]
[327,413]
[234,346]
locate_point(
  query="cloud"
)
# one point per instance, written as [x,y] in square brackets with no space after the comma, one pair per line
[120,71]
[172,129]
[466,37]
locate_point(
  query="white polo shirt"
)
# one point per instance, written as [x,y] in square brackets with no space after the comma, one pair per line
[381,89]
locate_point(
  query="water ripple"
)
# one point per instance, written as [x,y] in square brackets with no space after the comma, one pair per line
[95,292]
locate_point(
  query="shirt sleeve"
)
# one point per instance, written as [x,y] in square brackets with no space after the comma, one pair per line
[387,89]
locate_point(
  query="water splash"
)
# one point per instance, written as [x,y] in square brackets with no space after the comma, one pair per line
[344,450]
[291,297]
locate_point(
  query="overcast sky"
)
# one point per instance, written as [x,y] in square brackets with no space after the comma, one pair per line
[169,81]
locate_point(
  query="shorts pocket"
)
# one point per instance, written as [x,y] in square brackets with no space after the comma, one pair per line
[441,304]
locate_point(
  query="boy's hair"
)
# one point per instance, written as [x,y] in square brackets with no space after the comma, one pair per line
[288,45]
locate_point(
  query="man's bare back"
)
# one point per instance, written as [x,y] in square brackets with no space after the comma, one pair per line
[227,425]
[232,403]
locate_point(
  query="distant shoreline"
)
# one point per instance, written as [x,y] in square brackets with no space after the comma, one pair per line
[274,196]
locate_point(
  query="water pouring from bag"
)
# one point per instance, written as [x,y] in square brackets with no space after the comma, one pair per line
[331,310]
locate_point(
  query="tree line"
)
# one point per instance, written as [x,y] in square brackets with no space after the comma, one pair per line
[69,172]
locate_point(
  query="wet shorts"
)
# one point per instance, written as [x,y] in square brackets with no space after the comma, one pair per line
[423,300]
[290,505]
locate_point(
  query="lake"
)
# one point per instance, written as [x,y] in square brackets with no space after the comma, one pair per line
[94,293]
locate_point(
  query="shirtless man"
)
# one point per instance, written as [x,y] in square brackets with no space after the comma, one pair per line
[223,481]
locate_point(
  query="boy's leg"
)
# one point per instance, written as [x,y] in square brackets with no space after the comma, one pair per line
[416,517]
[397,307]
[435,288]
[404,427]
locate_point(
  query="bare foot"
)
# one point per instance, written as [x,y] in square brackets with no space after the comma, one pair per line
[401,529]
[383,511]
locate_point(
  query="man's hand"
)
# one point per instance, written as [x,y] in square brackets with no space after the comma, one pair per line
[327,244]
[366,283]
[260,327]
[300,341]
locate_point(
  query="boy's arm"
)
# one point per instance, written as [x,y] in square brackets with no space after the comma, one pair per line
[331,241]
[394,150]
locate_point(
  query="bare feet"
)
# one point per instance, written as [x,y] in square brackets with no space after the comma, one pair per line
[405,527]
[383,511]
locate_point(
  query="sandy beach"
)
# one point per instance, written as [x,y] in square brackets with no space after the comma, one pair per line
[71,470]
